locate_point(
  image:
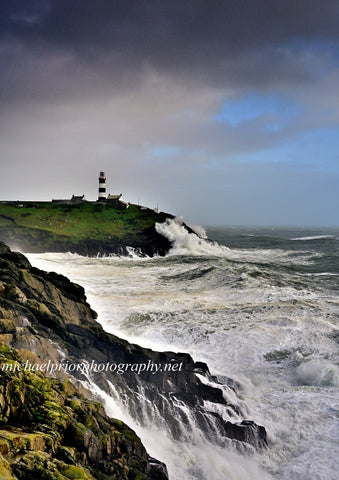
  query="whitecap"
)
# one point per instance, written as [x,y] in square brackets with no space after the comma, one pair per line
[318,372]
[314,237]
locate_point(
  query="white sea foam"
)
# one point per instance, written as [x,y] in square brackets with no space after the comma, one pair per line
[189,244]
[318,372]
[198,229]
[313,237]
[185,243]
[230,308]
[193,459]
[321,274]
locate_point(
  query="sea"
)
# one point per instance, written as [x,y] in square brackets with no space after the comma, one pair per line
[259,305]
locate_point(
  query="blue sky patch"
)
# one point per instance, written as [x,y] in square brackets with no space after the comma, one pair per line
[164,151]
[278,110]
[317,149]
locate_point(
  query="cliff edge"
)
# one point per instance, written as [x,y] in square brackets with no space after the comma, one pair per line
[85,228]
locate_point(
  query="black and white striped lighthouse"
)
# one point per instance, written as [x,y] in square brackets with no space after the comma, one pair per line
[102,187]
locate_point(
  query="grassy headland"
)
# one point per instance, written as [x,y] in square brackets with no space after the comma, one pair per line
[86,228]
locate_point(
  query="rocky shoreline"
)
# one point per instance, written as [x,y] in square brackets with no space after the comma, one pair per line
[45,317]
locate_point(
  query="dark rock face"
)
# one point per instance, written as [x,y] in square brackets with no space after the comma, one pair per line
[49,431]
[45,313]
[31,240]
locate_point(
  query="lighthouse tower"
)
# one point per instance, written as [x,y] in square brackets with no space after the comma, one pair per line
[102,187]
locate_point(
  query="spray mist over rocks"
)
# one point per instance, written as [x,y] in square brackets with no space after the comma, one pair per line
[186,243]
[318,372]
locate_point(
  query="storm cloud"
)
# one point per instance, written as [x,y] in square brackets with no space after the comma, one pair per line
[235,101]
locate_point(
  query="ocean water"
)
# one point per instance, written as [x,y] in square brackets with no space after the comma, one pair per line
[259,306]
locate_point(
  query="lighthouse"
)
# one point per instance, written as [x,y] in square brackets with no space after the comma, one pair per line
[102,187]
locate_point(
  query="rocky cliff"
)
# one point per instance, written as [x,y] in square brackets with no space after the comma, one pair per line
[86,228]
[48,430]
[48,316]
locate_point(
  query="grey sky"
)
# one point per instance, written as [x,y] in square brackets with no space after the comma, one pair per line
[225,112]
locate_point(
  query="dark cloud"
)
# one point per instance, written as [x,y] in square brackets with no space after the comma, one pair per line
[90,84]
[155,26]
[60,47]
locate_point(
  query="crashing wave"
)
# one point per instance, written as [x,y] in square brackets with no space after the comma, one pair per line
[187,243]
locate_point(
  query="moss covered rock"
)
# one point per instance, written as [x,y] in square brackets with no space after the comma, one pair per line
[49,431]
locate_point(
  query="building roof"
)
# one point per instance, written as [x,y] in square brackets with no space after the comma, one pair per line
[114,197]
[78,197]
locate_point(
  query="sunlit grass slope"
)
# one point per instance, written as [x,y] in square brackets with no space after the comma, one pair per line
[72,226]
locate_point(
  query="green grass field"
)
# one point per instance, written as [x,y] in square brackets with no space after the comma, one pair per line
[79,223]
